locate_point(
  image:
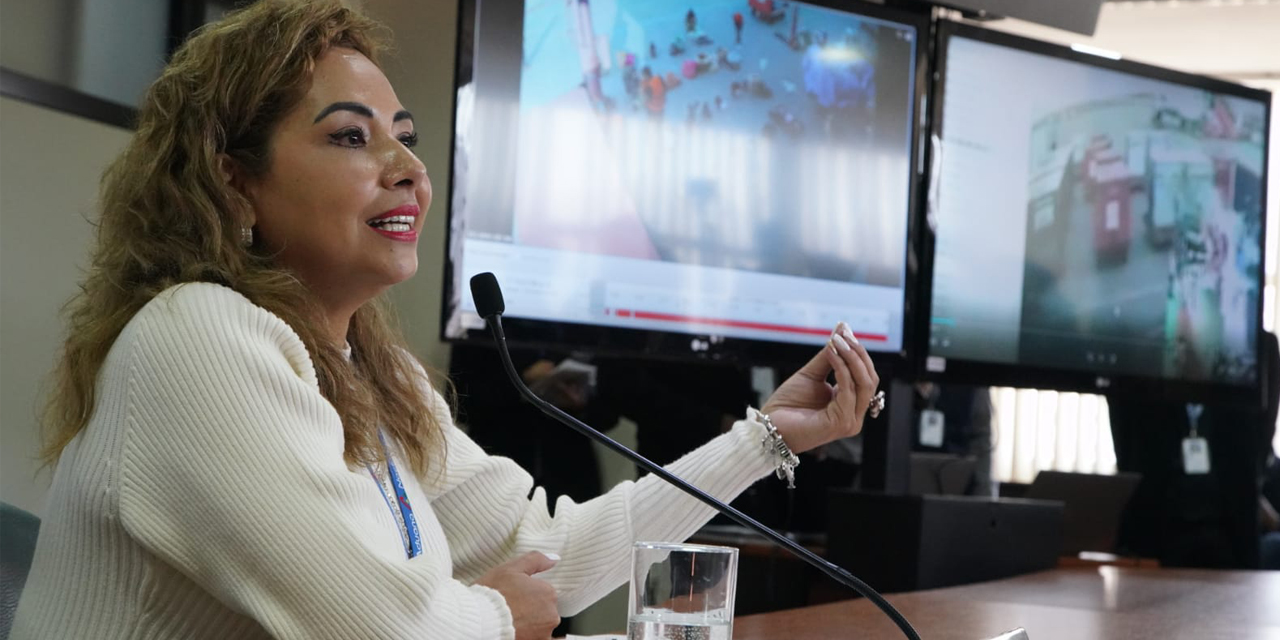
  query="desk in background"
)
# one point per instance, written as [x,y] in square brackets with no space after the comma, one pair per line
[1062,604]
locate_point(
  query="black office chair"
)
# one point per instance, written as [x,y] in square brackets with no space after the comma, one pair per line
[18,532]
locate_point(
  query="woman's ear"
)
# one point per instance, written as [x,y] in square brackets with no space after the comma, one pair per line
[232,174]
[227,167]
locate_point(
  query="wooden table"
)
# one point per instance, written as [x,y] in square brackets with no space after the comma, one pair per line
[1083,603]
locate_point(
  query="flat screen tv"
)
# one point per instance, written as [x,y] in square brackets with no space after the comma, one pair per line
[1094,223]
[700,177]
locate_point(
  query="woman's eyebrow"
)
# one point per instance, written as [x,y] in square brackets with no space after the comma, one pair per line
[354,107]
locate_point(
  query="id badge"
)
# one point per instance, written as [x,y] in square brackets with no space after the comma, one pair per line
[932,427]
[1195,456]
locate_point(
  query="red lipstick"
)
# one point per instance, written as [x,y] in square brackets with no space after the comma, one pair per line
[398,224]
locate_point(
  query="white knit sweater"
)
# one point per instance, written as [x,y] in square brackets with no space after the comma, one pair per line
[208,498]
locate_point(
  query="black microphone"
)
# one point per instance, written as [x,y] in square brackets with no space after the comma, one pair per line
[489,304]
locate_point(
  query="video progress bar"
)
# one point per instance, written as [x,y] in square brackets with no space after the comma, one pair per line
[738,324]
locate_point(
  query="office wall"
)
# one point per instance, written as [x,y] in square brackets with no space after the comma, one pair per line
[120,47]
[111,49]
[34,38]
[49,168]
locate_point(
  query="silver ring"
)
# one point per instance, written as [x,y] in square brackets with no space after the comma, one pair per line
[877,405]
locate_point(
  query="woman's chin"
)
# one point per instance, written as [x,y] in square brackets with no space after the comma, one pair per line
[403,272]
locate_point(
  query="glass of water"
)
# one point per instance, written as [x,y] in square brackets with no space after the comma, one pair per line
[681,592]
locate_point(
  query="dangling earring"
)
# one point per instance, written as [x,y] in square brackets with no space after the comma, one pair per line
[246,236]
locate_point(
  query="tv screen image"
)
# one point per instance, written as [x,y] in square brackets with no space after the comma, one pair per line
[1094,219]
[738,169]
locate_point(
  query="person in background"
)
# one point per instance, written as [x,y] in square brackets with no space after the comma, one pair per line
[967,413]
[631,81]
[1206,520]
[1269,544]
[1268,464]
[655,93]
[243,445]
[675,405]
[499,420]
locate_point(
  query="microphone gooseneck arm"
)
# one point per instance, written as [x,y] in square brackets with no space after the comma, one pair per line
[833,571]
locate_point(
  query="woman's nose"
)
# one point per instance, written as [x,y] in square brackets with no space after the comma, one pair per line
[403,168]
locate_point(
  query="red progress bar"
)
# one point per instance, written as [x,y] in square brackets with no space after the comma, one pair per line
[741,324]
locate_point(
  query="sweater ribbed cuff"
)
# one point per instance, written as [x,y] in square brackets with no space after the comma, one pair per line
[496,621]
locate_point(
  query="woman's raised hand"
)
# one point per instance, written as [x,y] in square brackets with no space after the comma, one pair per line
[808,411]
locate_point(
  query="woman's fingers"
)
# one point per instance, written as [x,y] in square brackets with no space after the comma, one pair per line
[857,367]
[849,401]
[871,367]
[864,370]
[818,366]
[845,384]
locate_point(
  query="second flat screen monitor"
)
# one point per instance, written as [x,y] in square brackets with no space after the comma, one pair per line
[737,169]
[1095,217]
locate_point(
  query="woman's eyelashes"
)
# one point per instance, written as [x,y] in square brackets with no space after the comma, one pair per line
[352,137]
[355,137]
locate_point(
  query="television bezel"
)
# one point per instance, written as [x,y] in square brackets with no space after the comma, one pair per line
[967,371]
[673,345]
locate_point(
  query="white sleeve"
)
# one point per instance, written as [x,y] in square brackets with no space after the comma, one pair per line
[233,474]
[491,513]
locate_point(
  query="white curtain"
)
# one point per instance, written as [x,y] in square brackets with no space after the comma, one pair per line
[1035,430]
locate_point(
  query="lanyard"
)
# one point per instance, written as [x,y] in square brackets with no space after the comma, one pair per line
[414,538]
[1193,417]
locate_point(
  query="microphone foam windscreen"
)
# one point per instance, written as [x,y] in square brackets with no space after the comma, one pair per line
[487,294]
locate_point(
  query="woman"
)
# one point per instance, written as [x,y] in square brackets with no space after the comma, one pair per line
[244,447]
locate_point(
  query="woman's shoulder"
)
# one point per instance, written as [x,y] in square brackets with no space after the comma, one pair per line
[202,318]
[186,297]
[207,308]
